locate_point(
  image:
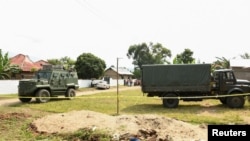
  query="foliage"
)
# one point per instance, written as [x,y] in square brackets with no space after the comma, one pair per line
[13,70]
[89,66]
[54,61]
[184,58]
[137,73]
[148,54]
[221,63]
[245,56]
[4,64]
[66,62]
[224,63]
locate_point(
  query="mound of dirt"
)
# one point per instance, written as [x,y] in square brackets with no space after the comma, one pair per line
[144,126]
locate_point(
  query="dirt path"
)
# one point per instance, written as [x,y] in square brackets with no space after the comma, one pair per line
[7,102]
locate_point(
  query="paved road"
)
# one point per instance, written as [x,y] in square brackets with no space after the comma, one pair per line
[7,102]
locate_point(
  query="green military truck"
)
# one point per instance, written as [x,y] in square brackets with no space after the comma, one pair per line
[50,81]
[193,82]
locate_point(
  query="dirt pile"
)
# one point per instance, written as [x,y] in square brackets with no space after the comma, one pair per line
[123,126]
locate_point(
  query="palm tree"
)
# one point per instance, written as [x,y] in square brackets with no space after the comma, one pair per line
[4,64]
[221,63]
[245,56]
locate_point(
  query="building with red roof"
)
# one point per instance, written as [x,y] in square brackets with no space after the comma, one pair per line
[27,66]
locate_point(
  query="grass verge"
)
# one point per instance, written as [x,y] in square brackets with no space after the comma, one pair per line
[15,119]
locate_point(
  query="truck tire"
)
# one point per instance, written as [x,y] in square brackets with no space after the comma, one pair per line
[25,100]
[223,100]
[42,96]
[171,102]
[70,93]
[235,101]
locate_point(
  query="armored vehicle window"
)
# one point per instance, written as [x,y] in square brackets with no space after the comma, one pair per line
[55,75]
[62,75]
[43,75]
[73,75]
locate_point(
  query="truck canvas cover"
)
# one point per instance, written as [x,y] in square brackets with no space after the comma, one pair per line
[181,77]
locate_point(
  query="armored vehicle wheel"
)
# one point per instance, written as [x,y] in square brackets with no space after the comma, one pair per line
[25,100]
[171,102]
[70,94]
[43,96]
[235,101]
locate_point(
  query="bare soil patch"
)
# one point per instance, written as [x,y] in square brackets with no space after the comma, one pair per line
[14,115]
[146,127]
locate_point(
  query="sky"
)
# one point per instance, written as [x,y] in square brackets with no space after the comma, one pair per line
[52,29]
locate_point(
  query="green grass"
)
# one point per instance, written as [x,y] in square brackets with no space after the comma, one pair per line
[130,102]
[8,96]
[133,102]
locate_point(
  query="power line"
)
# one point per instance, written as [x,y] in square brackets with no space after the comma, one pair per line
[90,8]
[85,4]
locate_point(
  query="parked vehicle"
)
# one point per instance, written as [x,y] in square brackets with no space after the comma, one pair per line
[193,82]
[102,85]
[94,82]
[49,82]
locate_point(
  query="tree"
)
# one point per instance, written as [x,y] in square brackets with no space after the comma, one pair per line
[54,61]
[89,66]
[66,62]
[4,64]
[148,54]
[137,73]
[184,58]
[221,63]
[12,70]
[245,56]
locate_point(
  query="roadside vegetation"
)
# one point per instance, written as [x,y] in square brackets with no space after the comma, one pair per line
[15,120]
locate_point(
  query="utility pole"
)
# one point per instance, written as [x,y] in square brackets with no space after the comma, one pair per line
[117,83]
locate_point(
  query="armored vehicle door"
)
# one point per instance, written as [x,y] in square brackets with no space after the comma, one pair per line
[54,81]
[58,80]
[62,80]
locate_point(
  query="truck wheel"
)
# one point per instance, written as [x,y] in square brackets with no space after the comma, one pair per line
[223,100]
[25,100]
[70,94]
[42,96]
[170,103]
[235,101]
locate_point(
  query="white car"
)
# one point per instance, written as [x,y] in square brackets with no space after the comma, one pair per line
[102,85]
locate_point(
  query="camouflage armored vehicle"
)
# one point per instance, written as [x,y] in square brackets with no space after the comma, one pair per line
[51,81]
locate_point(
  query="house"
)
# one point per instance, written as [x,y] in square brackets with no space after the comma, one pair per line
[241,68]
[27,66]
[123,73]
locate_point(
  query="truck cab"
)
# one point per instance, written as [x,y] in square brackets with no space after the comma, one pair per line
[226,82]
[231,91]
